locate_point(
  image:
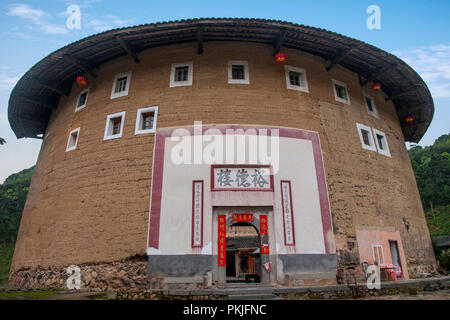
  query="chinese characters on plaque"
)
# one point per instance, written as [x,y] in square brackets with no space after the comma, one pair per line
[197,214]
[221,248]
[287,212]
[252,178]
[243,217]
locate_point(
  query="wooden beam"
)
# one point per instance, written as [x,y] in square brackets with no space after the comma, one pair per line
[404,92]
[340,57]
[79,65]
[375,75]
[46,105]
[47,86]
[199,40]
[127,49]
[280,40]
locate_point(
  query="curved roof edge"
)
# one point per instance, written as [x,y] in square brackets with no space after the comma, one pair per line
[39,90]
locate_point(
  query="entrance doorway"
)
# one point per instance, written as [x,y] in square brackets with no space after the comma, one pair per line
[395,254]
[243,263]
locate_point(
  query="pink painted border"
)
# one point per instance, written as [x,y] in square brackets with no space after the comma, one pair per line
[158,168]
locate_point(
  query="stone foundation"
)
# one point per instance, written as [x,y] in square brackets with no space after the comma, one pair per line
[127,275]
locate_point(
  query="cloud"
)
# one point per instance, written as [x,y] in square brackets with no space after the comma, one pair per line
[38,18]
[7,83]
[433,65]
[108,22]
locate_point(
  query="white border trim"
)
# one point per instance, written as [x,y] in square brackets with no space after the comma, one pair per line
[78,108]
[188,82]
[108,123]
[338,99]
[370,147]
[139,119]
[303,79]
[77,130]
[243,63]
[372,113]
[382,254]
[385,151]
[123,93]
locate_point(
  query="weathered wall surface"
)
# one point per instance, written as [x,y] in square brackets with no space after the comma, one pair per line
[91,205]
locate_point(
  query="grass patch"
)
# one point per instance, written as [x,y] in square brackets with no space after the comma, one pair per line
[14,295]
[6,254]
[439,225]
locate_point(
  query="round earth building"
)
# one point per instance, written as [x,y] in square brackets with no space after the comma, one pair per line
[188,130]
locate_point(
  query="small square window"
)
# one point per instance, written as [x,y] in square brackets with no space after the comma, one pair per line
[238,72]
[296,78]
[114,126]
[121,85]
[340,92]
[146,120]
[370,104]
[181,74]
[366,137]
[378,255]
[73,140]
[82,100]
[381,142]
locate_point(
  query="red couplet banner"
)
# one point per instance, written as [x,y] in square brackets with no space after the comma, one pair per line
[221,249]
[263,224]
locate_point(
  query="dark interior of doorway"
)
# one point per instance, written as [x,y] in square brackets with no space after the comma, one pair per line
[243,254]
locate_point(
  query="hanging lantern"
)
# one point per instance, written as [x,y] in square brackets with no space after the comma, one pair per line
[409,119]
[82,81]
[376,86]
[280,58]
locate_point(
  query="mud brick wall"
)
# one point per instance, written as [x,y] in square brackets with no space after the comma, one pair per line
[91,205]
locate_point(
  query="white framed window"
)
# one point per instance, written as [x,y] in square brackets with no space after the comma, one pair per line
[146,120]
[114,126]
[181,74]
[121,85]
[73,139]
[340,92]
[296,78]
[238,72]
[381,142]
[377,253]
[366,137]
[370,105]
[82,100]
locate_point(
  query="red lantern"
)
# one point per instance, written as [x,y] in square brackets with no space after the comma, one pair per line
[376,86]
[409,119]
[82,81]
[280,58]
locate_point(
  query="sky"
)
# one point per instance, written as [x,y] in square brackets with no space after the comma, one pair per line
[415,31]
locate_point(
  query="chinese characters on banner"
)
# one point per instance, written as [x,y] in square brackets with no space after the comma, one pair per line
[287,212]
[243,217]
[264,249]
[221,248]
[263,224]
[250,178]
[197,213]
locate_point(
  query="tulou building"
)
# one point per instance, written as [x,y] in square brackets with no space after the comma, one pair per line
[210,151]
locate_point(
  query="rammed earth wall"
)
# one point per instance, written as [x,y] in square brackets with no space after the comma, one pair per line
[92,204]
